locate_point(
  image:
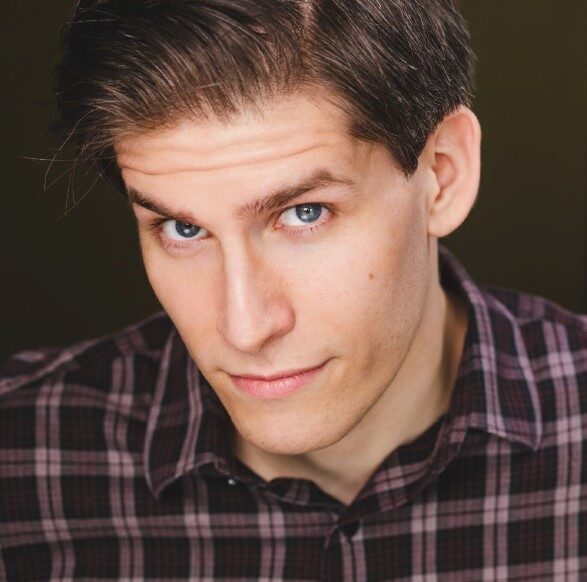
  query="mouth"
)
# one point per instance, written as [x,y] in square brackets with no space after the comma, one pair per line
[276,385]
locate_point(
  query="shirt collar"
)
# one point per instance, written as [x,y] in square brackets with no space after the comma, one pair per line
[495,390]
[188,428]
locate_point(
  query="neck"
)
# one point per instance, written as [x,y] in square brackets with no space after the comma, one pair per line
[419,394]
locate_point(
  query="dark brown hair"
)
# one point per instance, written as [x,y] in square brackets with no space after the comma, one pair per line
[396,67]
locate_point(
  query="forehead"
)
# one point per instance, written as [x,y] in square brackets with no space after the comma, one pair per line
[293,125]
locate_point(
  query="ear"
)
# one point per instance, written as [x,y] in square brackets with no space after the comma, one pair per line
[454,157]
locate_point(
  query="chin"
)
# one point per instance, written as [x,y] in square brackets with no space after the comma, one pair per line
[285,439]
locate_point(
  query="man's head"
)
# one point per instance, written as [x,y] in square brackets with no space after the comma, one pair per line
[365,124]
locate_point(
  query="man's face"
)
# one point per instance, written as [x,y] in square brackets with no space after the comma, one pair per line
[337,275]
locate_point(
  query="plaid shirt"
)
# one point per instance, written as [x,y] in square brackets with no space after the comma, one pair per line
[115,464]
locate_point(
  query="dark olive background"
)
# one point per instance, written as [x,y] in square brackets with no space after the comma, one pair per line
[72,277]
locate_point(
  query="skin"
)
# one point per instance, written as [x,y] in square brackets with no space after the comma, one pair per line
[361,292]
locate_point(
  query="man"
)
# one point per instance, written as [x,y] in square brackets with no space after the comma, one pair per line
[327,394]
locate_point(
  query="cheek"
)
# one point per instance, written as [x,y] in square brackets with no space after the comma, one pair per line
[183,292]
[365,283]
[371,301]
[374,287]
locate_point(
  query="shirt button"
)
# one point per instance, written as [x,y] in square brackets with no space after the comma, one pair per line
[231,481]
[350,529]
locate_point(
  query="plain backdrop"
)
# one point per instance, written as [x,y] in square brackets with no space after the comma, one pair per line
[67,277]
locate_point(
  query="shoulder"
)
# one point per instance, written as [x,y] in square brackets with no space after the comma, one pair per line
[555,344]
[550,331]
[528,307]
[74,419]
[85,372]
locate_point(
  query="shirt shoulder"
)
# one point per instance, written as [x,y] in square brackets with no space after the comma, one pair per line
[527,308]
[86,365]
[555,342]
[549,329]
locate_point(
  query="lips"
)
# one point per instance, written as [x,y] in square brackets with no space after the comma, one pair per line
[278,376]
[276,385]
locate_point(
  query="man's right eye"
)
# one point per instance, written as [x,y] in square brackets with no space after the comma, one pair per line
[181,231]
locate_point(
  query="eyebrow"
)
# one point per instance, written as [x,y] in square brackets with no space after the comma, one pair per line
[274,201]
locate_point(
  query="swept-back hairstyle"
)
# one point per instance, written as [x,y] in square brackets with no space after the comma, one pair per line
[395,67]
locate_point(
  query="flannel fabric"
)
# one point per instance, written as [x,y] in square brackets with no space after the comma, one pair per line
[115,464]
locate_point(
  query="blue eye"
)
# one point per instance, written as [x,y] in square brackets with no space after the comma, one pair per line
[306,213]
[186,230]
[181,231]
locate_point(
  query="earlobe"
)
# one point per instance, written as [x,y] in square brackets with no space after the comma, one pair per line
[455,149]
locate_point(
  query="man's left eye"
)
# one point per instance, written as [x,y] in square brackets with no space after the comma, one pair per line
[306,213]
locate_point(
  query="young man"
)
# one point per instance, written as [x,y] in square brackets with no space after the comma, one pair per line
[327,395]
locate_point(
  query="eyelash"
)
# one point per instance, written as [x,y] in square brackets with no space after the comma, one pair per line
[156,227]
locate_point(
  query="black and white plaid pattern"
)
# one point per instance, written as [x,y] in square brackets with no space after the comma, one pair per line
[115,464]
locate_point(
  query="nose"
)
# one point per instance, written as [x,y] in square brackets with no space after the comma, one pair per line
[255,309]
